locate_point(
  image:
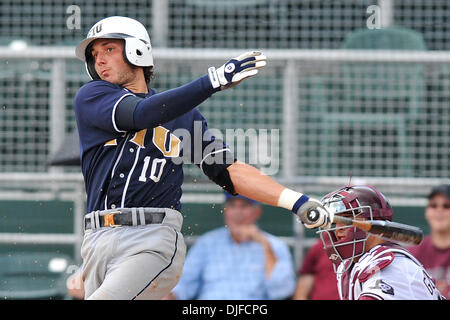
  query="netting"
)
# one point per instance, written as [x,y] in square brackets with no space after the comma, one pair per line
[378,119]
[305,24]
[373,119]
[369,119]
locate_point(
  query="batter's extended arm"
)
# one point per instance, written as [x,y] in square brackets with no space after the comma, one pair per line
[252,183]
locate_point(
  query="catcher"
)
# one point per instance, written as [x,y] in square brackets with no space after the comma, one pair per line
[368,267]
[132,246]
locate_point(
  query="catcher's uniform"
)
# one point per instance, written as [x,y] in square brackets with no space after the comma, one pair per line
[386,272]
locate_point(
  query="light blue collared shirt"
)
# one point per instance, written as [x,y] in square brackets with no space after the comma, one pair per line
[218,268]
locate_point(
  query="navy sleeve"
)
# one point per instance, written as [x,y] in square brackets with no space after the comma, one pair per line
[124,115]
[96,103]
[95,106]
[163,107]
[216,155]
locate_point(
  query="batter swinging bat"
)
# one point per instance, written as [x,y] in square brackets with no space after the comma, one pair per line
[385,229]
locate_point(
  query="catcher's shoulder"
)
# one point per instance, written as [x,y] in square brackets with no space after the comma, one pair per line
[382,256]
[378,258]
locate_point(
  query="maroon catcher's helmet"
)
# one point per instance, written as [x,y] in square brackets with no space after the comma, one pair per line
[359,201]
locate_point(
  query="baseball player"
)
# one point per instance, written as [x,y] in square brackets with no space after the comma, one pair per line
[368,267]
[132,246]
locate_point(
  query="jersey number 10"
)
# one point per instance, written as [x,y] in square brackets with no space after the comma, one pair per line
[155,171]
[161,138]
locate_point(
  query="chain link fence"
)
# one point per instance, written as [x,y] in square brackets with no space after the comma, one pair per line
[376,114]
[294,24]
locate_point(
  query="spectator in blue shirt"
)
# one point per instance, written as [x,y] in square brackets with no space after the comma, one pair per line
[238,261]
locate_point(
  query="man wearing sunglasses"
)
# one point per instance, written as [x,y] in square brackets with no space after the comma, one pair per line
[434,250]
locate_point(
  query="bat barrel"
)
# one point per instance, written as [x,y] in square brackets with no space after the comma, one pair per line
[397,231]
[385,229]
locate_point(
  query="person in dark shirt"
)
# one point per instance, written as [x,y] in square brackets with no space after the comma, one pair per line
[434,250]
[317,280]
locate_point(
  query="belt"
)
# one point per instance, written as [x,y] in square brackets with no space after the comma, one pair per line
[123,217]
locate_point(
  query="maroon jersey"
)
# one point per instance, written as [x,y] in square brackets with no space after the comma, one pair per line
[436,261]
[319,265]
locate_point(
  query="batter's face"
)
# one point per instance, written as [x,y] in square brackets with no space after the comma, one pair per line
[437,213]
[110,63]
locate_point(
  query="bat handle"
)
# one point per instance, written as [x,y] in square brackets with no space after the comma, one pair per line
[342,220]
[312,215]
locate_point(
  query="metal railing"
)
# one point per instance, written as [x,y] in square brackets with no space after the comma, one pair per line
[45,187]
[70,187]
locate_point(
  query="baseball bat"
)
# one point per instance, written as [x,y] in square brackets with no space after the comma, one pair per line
[385,229]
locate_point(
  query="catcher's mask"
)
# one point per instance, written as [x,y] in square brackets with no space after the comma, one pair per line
[356,202]
[137,49]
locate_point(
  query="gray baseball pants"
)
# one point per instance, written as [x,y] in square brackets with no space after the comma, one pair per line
[133,262]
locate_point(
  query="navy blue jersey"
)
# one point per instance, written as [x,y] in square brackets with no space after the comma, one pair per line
[139,168]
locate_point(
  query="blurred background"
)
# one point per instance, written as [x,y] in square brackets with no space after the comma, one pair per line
[354,87]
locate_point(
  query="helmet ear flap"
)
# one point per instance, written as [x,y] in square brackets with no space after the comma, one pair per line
[90,67]
[90,63]
[138,53]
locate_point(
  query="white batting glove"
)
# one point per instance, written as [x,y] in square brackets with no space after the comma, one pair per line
[236,69]
[310,212]
[314,215]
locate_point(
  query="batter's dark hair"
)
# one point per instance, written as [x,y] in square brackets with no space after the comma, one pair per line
[149,74]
